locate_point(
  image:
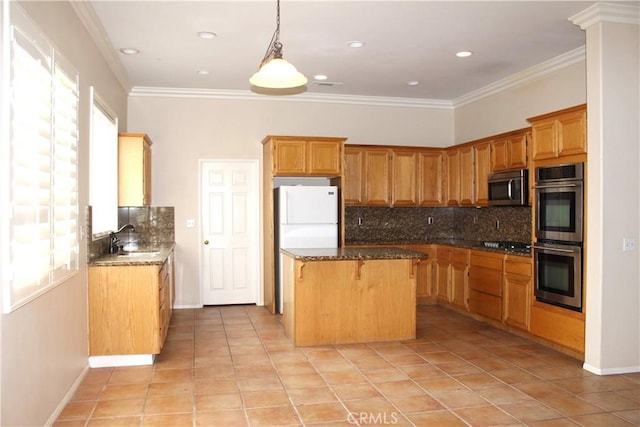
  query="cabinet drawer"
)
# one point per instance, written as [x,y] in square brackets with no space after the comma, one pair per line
[459,257]
[485,304]
[521,268]
[485,280]
[493,262]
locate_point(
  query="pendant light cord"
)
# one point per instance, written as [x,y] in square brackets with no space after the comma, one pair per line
[274,49]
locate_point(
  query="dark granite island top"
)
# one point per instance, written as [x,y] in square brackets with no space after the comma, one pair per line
[346,254]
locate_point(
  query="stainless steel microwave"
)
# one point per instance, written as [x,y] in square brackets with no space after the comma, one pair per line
[509,188]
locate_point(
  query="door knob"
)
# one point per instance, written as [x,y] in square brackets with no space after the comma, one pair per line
[206,242]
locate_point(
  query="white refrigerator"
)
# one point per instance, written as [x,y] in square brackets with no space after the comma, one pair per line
[304,217]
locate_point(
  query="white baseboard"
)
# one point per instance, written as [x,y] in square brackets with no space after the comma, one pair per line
[121,360]
[67,397]
[610,371]
[179,307]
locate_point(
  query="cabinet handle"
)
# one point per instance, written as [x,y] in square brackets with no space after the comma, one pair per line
[206,242]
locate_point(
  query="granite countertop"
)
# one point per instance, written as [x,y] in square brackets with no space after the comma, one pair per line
[346,254]
[460,243]
[147,255]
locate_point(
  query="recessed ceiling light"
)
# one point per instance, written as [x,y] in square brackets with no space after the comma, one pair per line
[355,43]
[202,72]
[320,77]
[464,54]
[413,83]
[207,35]
[129,51]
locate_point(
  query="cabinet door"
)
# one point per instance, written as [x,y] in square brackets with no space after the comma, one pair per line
[571,133]
[518,290]
[482,170]
[377,166]
[290,157]
[499,155]
[453,177]
[459,277]
[353,185]
[443,262]
[518,151]
[134,169]
[325,158]
[146,175]
[425,276]
[404,178]
[466,176]
[544,139]
[430,174]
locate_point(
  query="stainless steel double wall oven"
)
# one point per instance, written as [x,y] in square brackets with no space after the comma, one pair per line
[559,212]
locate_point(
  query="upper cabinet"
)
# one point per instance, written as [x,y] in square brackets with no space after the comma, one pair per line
[482,169]
[393,176]
[303,156]
[509,151]
[559,134]
[134,169]
[430,177]
[460,175]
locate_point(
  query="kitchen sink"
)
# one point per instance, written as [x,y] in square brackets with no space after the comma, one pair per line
[139,254]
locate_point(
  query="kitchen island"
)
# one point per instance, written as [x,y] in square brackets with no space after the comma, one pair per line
[349,295]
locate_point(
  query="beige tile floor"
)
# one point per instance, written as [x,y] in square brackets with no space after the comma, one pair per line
[233,366]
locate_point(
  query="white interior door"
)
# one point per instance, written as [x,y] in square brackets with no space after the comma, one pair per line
[230,231]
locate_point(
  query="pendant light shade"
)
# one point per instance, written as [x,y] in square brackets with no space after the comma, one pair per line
[278,74]
[274,71]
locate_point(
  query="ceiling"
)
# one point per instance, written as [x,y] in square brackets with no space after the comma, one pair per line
[403,41]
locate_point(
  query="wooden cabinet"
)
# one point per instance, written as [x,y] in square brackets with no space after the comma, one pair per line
[349,301]
[353,185]
[425,274]
[518,291]
[381,176]
[509,151]
[430,178]
[559,134]
[134,169]
[129,308]
[404,178]
[451,275]
[304,156]
[482,169]
[485,284]
[460,176]
[377,177]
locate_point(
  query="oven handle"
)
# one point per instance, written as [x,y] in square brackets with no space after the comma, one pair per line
[547,248]
[555,186]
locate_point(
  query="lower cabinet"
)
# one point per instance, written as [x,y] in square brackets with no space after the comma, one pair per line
[451,275]
[518,291]
[425,275]
[485,284]
[129,308]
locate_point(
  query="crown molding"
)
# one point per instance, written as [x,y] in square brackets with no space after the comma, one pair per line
[92,23]
[607,12]
[247,95]
[530,74]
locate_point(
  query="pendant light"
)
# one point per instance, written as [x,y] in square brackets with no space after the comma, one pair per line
[274,71]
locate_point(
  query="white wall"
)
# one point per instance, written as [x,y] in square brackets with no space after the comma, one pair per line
[184,130]
[44,343]
[612,343]
[509,109]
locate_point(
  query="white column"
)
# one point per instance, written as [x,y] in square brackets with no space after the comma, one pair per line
[613,196]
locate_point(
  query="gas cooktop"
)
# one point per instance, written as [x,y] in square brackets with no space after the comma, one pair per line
[506,245]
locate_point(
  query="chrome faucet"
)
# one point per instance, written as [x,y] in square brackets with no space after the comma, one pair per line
[114,242]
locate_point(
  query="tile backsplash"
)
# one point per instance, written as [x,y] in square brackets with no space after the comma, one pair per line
[153,225]
[386,225]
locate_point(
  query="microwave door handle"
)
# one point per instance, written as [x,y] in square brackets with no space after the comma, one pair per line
[509,188]
[546,248]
